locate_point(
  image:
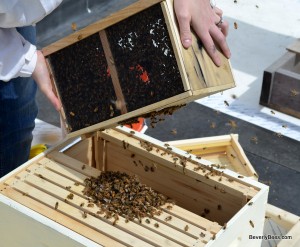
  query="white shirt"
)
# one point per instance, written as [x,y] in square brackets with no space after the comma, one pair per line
[17,56]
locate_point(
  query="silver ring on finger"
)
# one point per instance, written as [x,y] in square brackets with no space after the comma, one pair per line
[220,22]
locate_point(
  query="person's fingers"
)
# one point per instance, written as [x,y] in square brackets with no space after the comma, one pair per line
[47,91]
[220,40]
[184,23]
[218,11]
[42,78]
[210,47]
[223,26]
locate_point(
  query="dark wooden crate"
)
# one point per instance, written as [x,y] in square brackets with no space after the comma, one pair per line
[281,83]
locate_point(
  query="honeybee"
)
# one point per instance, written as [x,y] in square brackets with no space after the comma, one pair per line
[70,196]
[74,26]
[186,228]
[168,218]
[56,205]
[213,125]
[174,131]
[294,92]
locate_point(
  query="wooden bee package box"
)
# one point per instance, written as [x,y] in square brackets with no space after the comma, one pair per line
[129,64]
[206,205]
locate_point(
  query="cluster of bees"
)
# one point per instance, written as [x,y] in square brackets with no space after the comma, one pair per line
[119,194]
[155,116]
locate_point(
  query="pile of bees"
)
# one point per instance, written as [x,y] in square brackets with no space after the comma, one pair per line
[119,194]
[154,117]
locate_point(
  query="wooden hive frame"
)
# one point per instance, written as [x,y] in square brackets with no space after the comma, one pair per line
[195,75]
[224,150]
[211,204]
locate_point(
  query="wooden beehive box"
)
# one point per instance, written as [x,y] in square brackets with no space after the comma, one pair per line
[214,207]
[127,65]
[223,150]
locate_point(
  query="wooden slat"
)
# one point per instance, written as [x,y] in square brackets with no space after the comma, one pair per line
[56,178]
[242,156]
[180,99]
[194,219]
[63,170]
[58,217]
[73,164]
[100,147]
[236,164]
[199,143]
[113,71]
[99,25]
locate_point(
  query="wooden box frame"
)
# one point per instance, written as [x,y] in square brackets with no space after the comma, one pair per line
[224,150]
[232,207]
[200,77]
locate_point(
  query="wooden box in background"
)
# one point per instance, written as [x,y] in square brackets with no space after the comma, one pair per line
[129,64]
[281,83]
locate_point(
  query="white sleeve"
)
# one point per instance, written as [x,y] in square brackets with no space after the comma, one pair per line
[17,56]
[18,13]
